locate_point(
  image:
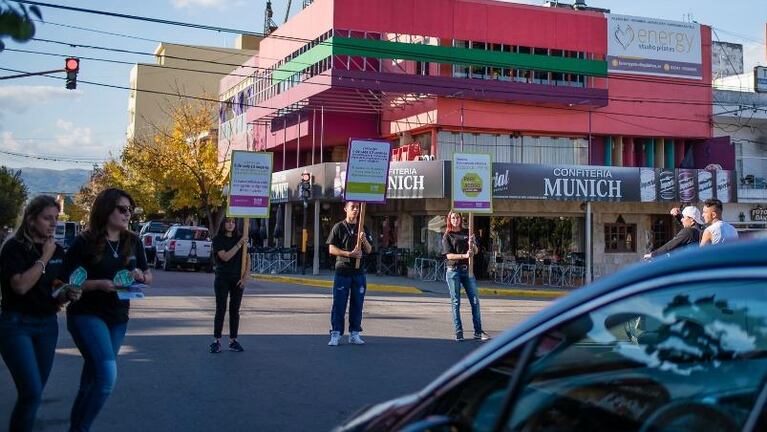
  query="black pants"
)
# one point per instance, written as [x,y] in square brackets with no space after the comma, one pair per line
[225,286]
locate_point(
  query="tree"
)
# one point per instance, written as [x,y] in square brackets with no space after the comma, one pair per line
[16,23]
[13,194]
[182,160]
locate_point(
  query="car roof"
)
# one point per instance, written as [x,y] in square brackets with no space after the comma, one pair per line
[189,227]
[745,253]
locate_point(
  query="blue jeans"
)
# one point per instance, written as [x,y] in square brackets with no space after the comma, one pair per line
[99,343]
[27,344]
[456,278]
[345,287]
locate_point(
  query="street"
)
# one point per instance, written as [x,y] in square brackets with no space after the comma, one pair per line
[287,379]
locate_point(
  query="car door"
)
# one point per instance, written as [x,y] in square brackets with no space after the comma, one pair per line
[685,352]
[162,244]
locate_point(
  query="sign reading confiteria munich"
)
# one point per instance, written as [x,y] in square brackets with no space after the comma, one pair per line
[617,184]
[650,46]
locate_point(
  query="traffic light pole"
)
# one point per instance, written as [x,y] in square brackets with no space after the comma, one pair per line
[304,237]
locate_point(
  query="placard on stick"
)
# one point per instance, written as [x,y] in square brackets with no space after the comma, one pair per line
[472,188]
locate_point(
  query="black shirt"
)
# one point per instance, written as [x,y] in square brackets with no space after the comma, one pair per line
[105,305]
[344,236]
[17,258]
[233,267]
[455,243]
[685,237]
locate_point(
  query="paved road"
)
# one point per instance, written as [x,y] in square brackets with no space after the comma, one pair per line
[286,380]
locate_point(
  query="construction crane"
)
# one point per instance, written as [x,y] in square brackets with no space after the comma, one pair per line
[287,11]
[269,24]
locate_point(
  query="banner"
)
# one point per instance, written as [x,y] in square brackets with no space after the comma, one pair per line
[367,171]
[250,178]
[649,46]
[472,183]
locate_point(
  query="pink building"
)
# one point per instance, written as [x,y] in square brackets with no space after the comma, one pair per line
[533,86]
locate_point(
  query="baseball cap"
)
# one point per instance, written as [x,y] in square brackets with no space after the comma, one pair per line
[694,213]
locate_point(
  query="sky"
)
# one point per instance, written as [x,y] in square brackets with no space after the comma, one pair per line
[42,120]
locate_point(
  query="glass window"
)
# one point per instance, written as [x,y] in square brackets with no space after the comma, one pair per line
[620,238]
[691,357]
[662,230]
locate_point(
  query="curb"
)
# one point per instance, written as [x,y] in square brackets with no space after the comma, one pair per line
[322,283]
[406,289]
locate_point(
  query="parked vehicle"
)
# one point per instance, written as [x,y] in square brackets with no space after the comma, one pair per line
[150,233]
[65,233]
[187,246]
[678,344]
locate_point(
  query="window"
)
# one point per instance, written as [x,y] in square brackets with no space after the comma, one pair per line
[687,357]
[620,238]
[662,230]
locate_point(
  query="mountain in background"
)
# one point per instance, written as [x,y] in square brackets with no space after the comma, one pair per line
[40,180]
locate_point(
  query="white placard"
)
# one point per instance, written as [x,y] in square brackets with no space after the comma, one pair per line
[367,171]
[249,184]
[472,183]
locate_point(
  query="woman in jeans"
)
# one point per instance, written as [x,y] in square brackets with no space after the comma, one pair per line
[30,261]
[455,247]
[98,320]
[229,282]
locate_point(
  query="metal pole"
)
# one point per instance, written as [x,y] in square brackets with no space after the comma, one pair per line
[314,131]
[589,148]
[588,242]
[304,237]
[322,132]
[284,142]
[298,144]
[316,261]
[462,125]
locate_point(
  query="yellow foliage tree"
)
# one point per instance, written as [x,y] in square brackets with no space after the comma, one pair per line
[183,158]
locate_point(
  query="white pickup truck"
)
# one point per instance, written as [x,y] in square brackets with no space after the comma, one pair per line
[187,246]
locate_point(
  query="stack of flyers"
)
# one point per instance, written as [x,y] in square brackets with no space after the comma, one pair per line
[76,281]
[127,287]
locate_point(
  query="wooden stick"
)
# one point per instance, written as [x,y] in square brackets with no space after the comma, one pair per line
[471,245]
[246,234]
[360,229]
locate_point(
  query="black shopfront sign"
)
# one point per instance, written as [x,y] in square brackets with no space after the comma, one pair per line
[759,214]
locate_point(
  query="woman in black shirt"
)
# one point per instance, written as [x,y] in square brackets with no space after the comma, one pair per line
[30,261]
[99,320]
[229,282]
[455,247]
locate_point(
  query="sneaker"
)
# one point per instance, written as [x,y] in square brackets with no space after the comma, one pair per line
[355,339]
[480,335]
[459,337]
[335,338]
[215,347]
[235,346]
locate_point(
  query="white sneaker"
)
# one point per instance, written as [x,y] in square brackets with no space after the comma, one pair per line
[355,339]
[335,338]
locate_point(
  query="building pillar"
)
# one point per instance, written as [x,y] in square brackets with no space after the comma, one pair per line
[288,229]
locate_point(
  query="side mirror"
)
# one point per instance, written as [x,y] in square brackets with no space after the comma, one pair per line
[437,424]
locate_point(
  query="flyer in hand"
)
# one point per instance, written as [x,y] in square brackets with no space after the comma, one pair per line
[127,287]
[76,281]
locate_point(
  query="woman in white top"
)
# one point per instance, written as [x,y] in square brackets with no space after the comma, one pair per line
[718,231]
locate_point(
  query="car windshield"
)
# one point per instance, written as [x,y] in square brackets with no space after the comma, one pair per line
[191,234]
[157,227]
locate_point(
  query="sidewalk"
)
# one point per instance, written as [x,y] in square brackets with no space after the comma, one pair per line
[403,285]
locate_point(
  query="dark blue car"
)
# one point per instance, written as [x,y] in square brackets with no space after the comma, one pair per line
[679,344]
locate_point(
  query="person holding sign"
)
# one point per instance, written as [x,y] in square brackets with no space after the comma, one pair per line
[455,246]
[99,319]
[348,243]
[229,282]
[30,263]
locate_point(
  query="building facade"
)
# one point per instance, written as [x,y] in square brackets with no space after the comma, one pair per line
[576,96]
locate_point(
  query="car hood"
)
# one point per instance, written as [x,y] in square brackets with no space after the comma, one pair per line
[376,414]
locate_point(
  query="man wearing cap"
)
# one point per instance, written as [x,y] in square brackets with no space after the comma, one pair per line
[689,235]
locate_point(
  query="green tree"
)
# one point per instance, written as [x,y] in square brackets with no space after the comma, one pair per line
[16,23]
[13,194]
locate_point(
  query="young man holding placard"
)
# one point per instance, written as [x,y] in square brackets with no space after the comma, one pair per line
[348,243]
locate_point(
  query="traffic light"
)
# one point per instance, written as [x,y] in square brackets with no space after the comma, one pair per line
[305,186]
[72,66]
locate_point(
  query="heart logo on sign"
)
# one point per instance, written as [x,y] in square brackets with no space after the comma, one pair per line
[624,37]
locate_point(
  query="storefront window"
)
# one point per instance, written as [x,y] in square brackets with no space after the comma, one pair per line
[620,238]
[535,238]
[386,231]
[662,230]
[427,235]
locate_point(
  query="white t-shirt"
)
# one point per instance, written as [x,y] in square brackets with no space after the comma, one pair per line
[722,232]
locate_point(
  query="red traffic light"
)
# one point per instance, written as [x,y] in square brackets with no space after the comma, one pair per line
[72,64]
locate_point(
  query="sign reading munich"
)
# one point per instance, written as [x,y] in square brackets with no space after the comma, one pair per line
[250,180]
[649,46]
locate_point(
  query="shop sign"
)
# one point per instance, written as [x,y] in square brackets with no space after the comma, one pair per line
[367,172]
[650,46]
[565,183]
[760,79]
[415,180]
[472,184]
[249,184]
[759,214]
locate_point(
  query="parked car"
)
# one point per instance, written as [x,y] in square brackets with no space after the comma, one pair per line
[150,233]
[65,233]
[187,246]
[678,344]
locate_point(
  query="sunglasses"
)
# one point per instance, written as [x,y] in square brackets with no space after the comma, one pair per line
[126,210]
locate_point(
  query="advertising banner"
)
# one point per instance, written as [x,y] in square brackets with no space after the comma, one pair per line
[367,171]
[760,79]
[472,183]
[250,178]
[650,46]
